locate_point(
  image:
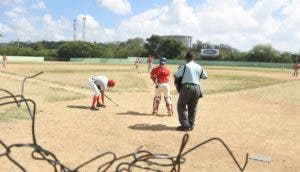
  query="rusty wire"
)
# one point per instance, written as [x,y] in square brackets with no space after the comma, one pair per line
[141,159]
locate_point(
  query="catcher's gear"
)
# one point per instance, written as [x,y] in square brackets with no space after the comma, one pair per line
[162,61]
[156,102]
[169,105]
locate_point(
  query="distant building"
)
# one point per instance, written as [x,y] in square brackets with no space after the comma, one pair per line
[186,40]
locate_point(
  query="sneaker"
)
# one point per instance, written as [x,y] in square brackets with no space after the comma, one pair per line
[183,128]
[191,128]
[99,105]
[94,108]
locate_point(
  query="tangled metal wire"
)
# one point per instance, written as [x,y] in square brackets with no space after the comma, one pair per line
[140,159]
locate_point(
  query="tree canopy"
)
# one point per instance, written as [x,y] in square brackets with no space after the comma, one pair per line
[154,45]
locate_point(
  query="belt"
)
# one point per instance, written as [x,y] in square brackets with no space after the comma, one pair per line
[187,83]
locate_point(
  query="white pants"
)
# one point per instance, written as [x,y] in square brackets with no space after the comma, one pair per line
[4,63]
[163,88]
[94,87]
[149,67]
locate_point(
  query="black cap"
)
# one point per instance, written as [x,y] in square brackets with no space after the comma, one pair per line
[189,55]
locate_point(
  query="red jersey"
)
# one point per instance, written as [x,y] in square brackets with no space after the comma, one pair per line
[137,61]
[160,74]
[4,57]
[296,66]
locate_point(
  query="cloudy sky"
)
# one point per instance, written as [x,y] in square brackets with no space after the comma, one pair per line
[239,23]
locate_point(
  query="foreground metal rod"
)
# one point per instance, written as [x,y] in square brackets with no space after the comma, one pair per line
[19,103]
[97,157]
[242,168]
[11,95]
[33,117]
[143,157]
[23,82]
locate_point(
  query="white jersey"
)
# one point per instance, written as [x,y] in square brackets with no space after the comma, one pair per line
[100,81]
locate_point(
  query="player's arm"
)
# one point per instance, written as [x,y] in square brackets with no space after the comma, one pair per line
[153,75]
[102,97]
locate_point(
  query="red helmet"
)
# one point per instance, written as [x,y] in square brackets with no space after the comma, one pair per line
[111,83]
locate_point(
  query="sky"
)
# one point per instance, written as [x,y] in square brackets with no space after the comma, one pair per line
[238,23]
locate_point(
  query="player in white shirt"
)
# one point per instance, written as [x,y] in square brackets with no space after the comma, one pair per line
[98,85]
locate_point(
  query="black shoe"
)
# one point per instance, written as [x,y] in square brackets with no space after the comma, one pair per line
[183,128]
[99,105]
[94,108]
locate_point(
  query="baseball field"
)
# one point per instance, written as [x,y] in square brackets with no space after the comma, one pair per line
[253,110]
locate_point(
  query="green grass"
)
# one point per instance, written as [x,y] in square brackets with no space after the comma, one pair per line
[239,82]
[128,80]
[10,113]
[132,82]
[253,69]
[217,84]
[61,94]
[59,98]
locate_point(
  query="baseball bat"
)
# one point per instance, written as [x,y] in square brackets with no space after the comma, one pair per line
[111,100]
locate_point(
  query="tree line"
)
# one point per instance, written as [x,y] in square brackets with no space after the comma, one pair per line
[137,47]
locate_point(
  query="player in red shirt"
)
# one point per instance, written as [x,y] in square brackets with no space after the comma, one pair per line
[160,76]
[4,58]
[150,60]
[137,63]
[296,67]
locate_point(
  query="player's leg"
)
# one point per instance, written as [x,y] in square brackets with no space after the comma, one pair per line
[96,92]
[167,96]
[149,70]
[156,100]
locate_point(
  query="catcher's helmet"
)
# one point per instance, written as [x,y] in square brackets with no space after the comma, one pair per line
[111,83]
[162,60]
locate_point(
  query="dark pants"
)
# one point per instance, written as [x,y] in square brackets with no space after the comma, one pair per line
[187,104]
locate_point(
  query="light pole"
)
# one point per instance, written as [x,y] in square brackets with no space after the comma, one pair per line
[83,28]
[74,29]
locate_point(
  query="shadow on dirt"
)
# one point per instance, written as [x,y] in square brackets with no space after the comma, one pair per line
[156,127]
[134,113]
[79,107]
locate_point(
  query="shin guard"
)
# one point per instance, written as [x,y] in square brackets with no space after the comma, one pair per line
[169,105]
[156,102]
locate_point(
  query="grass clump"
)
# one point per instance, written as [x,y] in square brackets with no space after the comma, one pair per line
[230,83]
[10,113]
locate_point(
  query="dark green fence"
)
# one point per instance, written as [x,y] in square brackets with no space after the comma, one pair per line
[130,60]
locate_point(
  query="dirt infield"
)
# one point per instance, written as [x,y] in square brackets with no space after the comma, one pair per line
[253,110]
